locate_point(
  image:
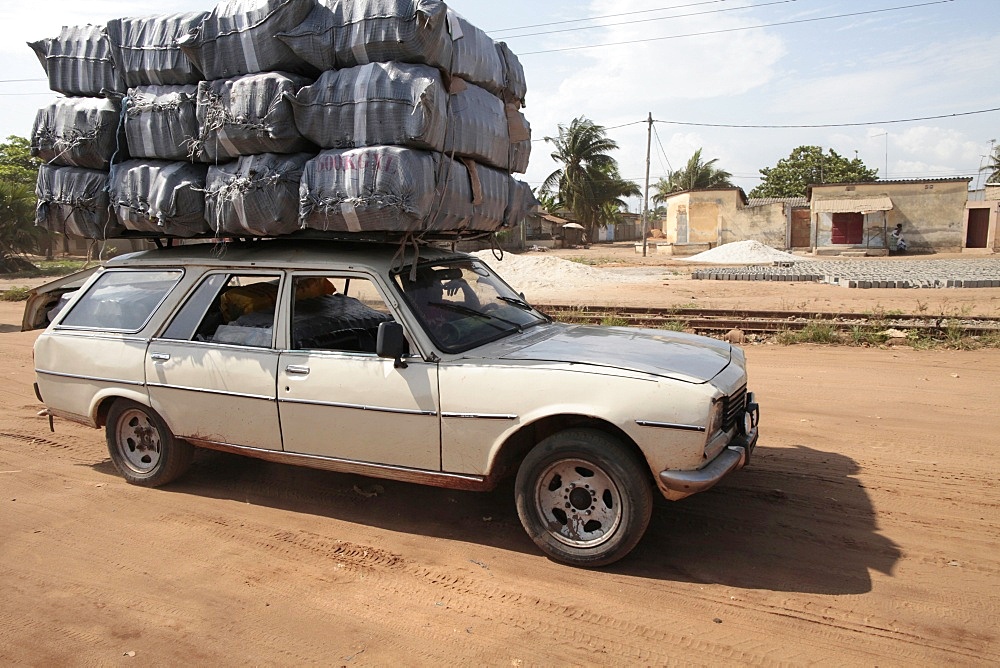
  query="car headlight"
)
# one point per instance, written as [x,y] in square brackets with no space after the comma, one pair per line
[715,418]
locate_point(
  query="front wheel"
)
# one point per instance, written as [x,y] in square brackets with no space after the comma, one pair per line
[583,497]
[142,447]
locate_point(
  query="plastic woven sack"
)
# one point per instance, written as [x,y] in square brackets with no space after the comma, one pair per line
[369,105]
[248,115]
[257,195]
[160,197]
[161,122]
[79,62]
[147,52]
[475,58]
[346,33]
[393,189]
[74,201]
[515,87]
[78,132]
[238,37]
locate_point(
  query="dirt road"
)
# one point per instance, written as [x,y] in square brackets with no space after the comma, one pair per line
[864,532]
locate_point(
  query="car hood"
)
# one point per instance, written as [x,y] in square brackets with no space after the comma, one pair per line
[687,357]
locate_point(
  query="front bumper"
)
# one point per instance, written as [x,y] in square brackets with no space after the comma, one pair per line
[736,455]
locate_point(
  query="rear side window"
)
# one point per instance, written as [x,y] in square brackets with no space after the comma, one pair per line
[122,301]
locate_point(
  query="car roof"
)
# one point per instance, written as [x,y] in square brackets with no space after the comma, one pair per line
[285,254]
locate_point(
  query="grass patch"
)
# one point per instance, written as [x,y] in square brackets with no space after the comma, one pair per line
[813,332]
[15,294]
[614,321]
[674,325]
[594,261]
[51,268]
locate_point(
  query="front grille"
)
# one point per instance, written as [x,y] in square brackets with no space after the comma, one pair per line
[733,407]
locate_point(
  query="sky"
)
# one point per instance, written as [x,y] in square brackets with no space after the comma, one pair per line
[853,66]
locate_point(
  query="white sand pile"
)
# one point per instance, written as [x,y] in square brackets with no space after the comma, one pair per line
[531,272]
[743,252]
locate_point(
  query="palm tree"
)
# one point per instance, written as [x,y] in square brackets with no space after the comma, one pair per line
[696,175]
[993,167]
[588,183]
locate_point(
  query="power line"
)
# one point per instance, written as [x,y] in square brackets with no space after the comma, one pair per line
[729,30]
[831,125]
[650,20]
[21,80]
[606,16]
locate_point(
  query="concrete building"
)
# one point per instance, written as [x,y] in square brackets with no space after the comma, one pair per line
[701,219]
[860,216]
[980,224]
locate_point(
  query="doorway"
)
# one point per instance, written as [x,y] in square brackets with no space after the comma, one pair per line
[979,228]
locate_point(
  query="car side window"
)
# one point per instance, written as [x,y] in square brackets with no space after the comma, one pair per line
[341,313]
[237,309]
[121,301]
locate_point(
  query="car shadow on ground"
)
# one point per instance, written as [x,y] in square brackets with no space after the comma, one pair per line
[795,520]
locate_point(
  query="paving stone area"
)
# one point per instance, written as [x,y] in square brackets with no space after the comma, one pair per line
[964,273]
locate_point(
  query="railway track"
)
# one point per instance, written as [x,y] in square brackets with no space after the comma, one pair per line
[715,321]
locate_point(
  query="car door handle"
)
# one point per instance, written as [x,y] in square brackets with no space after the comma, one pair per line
[160,357]
[296,370]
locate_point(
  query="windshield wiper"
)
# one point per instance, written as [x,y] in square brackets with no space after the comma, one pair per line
[520,303]
[465,310]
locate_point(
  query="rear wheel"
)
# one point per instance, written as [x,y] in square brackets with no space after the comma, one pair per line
[142,447]
[583,497]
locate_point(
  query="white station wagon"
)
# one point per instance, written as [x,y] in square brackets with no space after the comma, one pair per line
[422,367]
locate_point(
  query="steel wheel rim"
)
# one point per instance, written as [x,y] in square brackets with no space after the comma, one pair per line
[579,503]
[138,440]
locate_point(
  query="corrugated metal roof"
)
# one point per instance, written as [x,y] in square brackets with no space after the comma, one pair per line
[852,205]
[790,201]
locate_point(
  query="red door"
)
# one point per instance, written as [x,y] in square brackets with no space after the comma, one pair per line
[848,228]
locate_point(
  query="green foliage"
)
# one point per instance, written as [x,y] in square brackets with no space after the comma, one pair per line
[696,175]
[548,201]
[807,165]
[614,321]
[588,183]
[16,294]
[16,163]
[18,233]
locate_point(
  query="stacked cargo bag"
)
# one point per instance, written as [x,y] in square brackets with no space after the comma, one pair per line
[147,50]
[397,189]
[402,104]
[515,86]
[258,195]
[160,197]
[238,37]
[161,122]
[346,33]
[78,132]
[376,104]
[74,201]
[247,115]
[79,62]
[374,189]
[471,198]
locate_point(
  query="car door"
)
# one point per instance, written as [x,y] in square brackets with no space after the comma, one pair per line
[336,397]
[212,373]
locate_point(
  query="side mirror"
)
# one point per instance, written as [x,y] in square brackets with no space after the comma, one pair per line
[391,343]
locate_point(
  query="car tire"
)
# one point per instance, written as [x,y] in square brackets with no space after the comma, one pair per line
[142,447]
[583,497]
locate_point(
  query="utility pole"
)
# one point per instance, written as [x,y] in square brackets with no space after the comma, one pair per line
[645,197]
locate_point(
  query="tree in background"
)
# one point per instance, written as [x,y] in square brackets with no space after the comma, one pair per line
[696,175]
[547,200]
[588,184]
[18,173]
[807,165]
[993,167]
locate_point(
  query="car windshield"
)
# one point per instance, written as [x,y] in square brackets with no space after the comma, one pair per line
[463,304]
